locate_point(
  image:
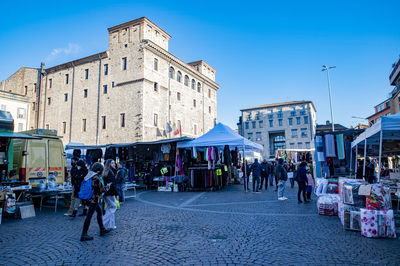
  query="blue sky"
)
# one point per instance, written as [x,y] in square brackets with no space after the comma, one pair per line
[263,51]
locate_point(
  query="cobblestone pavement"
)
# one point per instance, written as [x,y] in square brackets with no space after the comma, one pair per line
[224,227]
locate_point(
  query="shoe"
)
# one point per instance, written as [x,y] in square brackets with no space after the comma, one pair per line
[67,213]
[114,227]
[73,215]
[84,212]
[299,202]
[257,191]
[86,238]
[280,198]
[284,198]
[306,201]
[104,231]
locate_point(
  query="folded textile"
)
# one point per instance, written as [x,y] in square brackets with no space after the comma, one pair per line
[350,194]
[379,198]
[375,223]
[330,146]
[340,146]
[328,204]
[352,220]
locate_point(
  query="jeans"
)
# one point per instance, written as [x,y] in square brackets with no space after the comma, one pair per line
[93,207]
[302,190]
[264,177]
[121,193]
[291,182]
[109,216]
[246,183]
[256,178]
[281,188]
[271,180]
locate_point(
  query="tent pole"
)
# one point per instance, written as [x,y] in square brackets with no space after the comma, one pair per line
[365,156]
[380,155]
[245,170]
[355,161]
[351,157]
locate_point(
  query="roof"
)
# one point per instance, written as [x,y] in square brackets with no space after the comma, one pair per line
[328,127]
[136,22]
[77,62]
[278,104]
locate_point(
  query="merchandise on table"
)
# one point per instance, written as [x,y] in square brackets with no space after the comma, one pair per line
[351,196]
[341,211]
[375,223]
[321,185]
[341,182]
[352,220]
[379,198]
[332,189]
[328,204]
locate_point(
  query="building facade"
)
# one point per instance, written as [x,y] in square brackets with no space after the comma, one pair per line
[19,106]
[381,109]
[287,125]
[394,79]
[128,93]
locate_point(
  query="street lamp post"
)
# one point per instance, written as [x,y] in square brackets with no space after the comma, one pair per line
[325,68]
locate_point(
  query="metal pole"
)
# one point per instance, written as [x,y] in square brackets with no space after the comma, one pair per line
[355,161]
[245,169]
[330,99]
[365,155]
[380,155]
[351,157]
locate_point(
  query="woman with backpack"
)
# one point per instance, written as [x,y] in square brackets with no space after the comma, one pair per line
[109,177]
[91,190]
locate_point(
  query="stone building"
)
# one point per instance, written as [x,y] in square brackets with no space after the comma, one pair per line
[18,105]
[127,93]
[286,125]
[394,79]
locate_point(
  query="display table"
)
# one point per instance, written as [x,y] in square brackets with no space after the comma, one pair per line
[54,194]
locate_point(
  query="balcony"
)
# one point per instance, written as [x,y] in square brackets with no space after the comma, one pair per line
[395,74]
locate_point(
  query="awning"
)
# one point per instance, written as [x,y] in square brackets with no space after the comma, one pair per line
[13,135]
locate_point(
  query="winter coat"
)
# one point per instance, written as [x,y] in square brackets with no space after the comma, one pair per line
[256,169]
[97,186]
[121,176]
[111,179]
[281,173]
[264,169]
[301,175]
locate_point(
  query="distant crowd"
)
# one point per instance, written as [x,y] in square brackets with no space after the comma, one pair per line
[266,173]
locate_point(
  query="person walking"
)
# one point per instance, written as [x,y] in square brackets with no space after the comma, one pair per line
[291,169]
[271,174]
[75,187]
[275,165]
[98,189]
[81,172]
[256,171]
[246,175]
[281,175]
[302,181]
[109,197]
[369,171]
[121,182]
[310,184]
[264,174]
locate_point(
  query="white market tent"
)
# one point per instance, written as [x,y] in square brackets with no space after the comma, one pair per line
[221,135]
[387,128]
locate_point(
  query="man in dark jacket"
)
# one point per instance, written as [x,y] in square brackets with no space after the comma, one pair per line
[246,175]
[281,176]
[121,182]
[256,170]
[369,171]
[81,173]
[302,181]
[264,174]
[74,199]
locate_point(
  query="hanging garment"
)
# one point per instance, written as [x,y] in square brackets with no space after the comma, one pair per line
[340,146]
[179,163]
[319,148]
[330,146]
[165,148]
[194,153]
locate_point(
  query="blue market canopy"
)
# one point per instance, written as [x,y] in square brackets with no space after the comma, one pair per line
[221,135]
[13,135]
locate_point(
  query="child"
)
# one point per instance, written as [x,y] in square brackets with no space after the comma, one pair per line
[310,183]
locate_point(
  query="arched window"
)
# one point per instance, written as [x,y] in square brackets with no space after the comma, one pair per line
[171,72]
[193,84]
[186,80]
[179,76]
[198,87]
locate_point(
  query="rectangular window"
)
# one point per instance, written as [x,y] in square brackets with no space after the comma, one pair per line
[304,132]
[280,122]
[249,135]
[307,145]
[20,126]
[258,135]
[178,96]
[290,121]
[293,112]
[103,122]
[294,133]
[195,129]
[280,114]
[3,107]
[122,119]
[300,145]
[292,145]
[84,125]
[260,124]
[105,89]
[209,93]
[124,63]
[64,127]
[33,106]
[155,86]
[34,86]
[66,78]
[271,115]
[155,64]
[65,97]
[303,112]
[194,103]
[26,90]
[253,124]
[209,109]
[112,84]
[271,123]
[306,120]
[156,120]
[105,69]
[86,73]
[298,120]
[50,83]
[246,125]
[47,126]
[21,112]
[48,101]
[85,92]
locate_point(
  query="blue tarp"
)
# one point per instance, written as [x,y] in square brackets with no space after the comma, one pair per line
[221,135]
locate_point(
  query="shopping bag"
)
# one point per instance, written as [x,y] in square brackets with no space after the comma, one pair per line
[118,205]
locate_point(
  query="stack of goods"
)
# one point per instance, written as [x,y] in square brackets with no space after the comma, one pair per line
[352,202]
[351,218]
[328,204]
[377,218]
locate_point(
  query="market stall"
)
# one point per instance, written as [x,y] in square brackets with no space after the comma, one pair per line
[214,157]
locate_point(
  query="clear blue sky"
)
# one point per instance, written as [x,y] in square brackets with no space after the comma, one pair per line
[263,51]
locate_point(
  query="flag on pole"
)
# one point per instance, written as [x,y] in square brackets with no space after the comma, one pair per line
[180,130]
[158,133]
[169,128]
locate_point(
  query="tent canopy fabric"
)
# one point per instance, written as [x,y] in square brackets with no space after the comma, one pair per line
[389,125]
[13,135]
[221,135]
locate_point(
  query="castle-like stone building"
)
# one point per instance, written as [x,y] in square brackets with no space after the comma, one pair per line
[126,94]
